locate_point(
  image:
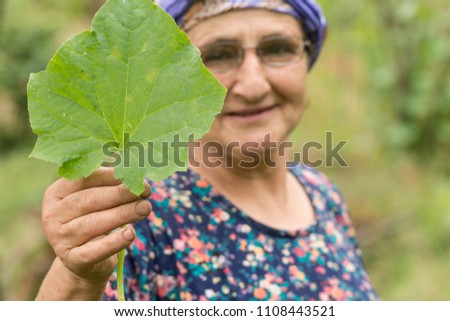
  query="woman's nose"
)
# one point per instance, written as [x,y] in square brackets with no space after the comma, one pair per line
[250,78]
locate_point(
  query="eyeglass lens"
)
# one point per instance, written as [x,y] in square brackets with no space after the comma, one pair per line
[226,55]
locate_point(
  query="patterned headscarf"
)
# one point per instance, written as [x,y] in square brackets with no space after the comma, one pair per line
[308,12]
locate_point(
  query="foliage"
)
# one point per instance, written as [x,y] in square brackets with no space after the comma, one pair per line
[21,51]
[410,76]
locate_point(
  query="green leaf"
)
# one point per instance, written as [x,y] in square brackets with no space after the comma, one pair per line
[128,86]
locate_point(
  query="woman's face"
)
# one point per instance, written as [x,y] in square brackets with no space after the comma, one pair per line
[261,99]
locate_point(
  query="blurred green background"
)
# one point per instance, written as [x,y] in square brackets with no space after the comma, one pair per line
[382,84]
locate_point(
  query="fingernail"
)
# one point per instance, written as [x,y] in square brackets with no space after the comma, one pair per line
[143,208]
[128,234]
[146,193]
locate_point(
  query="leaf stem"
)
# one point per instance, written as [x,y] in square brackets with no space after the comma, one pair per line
[120,283]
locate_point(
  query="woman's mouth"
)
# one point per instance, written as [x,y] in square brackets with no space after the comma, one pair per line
[249,114]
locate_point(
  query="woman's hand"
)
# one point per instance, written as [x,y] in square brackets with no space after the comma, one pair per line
[81,220]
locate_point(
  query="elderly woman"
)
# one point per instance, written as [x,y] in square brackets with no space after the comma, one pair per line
[263,231]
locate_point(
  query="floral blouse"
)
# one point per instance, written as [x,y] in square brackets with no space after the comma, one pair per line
[196,245]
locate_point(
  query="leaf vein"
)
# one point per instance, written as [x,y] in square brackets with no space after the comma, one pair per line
[62,120]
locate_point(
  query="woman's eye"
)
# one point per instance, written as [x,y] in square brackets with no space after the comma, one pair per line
[279,49]
[218,54]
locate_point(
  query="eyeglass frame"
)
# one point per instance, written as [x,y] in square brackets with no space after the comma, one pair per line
[304,47]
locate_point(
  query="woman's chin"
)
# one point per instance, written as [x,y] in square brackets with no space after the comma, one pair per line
[248,150]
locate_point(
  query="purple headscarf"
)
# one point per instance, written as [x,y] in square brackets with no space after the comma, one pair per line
[308,12]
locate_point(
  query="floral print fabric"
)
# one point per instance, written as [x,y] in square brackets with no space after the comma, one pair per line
[196,245]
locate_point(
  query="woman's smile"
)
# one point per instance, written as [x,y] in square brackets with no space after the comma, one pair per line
[250,114]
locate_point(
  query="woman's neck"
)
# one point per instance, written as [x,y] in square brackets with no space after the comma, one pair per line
[265,182]
[269,194]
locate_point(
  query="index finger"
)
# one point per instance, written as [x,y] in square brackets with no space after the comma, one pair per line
[104,176]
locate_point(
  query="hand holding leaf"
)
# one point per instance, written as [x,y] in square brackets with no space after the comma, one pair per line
[135,79]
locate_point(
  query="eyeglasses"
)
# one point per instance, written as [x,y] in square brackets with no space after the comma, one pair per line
[226,55]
